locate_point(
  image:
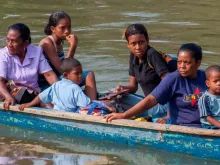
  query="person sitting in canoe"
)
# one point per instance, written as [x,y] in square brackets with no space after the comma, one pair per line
[58,30]
[140,71]
[21,62]
[66,94]
[181,89]
[209,103]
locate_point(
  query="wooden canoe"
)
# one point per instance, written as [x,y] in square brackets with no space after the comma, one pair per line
[197,142]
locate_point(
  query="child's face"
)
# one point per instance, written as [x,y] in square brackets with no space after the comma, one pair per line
[213,83]
[75,75]
[137,44]
[62,29]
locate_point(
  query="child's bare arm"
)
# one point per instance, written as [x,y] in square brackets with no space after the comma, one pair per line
[213,121]
[30,104]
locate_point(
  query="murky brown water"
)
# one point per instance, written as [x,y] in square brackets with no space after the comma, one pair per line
[99,25]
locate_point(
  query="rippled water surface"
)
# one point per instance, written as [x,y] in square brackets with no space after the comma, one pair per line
[99,25]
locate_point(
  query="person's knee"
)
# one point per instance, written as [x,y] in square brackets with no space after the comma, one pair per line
[90,78]
[91,74]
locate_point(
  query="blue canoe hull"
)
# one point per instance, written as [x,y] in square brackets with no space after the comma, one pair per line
[203,146]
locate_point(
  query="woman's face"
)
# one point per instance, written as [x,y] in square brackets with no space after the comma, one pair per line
[137,43]
[14,43]
[62,29]
[186,64]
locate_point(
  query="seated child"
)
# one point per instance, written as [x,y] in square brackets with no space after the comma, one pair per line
[65,95]
[209,103]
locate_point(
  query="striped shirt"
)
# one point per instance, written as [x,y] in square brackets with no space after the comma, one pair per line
[209,105]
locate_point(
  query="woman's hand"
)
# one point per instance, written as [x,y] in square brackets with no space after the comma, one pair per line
[72,39]
[114,116]
[118,89]
[8,101]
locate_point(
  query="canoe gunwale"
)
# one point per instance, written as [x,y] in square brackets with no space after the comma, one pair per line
[121,122]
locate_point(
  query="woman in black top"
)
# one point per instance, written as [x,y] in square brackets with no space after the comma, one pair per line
[147,66]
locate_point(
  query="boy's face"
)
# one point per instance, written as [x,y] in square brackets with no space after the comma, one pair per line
[213,82]
[75,75]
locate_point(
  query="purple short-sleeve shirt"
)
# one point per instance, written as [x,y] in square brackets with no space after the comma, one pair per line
[27,72]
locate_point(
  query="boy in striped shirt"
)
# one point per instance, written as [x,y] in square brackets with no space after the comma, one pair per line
[209,103]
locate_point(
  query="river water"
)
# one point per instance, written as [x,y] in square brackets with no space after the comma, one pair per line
[99,25]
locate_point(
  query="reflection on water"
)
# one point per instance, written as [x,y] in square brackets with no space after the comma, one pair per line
[48,148]
[25,152]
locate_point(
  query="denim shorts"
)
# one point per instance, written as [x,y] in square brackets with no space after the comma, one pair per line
[84,75]
[158,111]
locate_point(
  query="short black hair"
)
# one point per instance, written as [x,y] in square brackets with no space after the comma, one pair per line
[194,50]
[134,29]
[213,68]
[23,29]
[69,64]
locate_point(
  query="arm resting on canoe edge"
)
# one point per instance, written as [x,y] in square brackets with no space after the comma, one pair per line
[213,121]
[147,103]
[30,104]
[9,100]
[51,77]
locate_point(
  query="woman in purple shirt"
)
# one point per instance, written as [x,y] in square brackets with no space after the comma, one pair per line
[22,62]
[181,89]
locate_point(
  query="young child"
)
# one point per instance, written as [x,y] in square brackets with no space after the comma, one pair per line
[65,95]
[58,29]
[209,103]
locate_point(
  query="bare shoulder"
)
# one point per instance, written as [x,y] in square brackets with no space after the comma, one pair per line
[48,47]
[46,41]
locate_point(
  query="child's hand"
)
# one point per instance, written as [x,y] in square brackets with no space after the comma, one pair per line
[22,106]
[161,120]
[72,39]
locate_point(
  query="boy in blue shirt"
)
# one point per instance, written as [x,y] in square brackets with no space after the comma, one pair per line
[209,103]
[65,95]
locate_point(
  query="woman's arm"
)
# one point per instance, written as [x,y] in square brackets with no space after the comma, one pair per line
[132,87]
[163,75]
[147,103]
[51,77]
[159,64]
[73,41]
[50,51]
[9,100]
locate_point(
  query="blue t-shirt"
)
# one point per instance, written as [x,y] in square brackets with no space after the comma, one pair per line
[65,95]
[182,94]
[209,105]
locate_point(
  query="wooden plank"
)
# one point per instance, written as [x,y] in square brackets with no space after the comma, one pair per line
[121,122]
